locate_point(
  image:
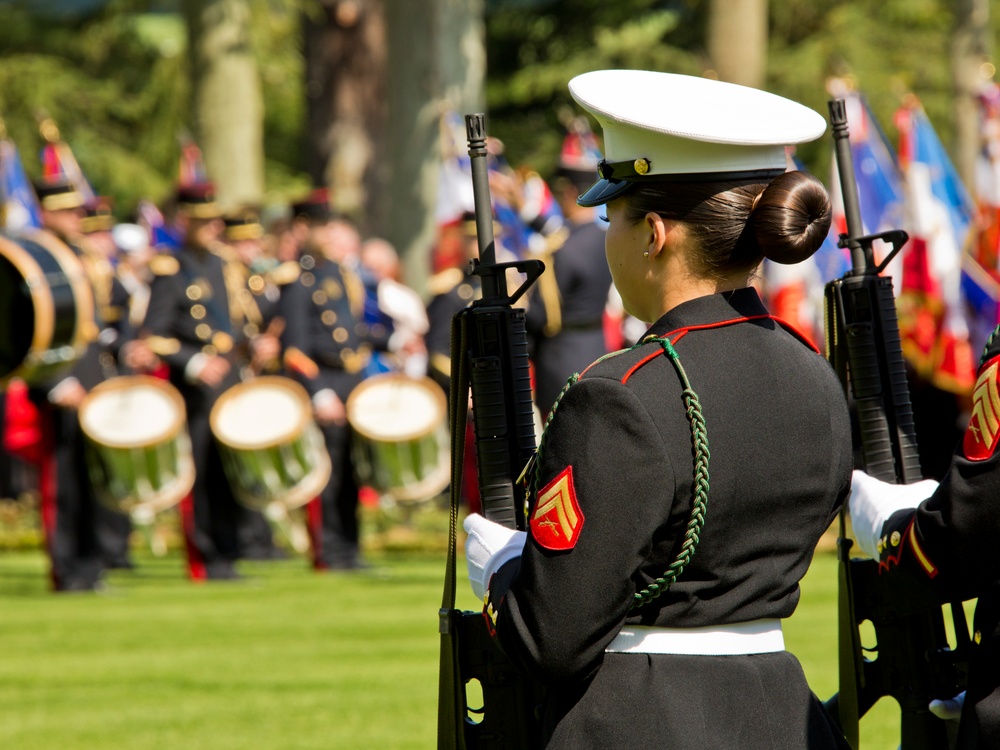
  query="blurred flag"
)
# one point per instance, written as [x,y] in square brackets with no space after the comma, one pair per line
[982,285]
[936,281]
[191,168]
[58,161]
[20,204]
[161,237]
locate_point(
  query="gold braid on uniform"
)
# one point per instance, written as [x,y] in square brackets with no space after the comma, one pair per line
[548,286]
[699,489]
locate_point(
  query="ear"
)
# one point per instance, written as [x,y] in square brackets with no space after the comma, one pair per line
[658,229]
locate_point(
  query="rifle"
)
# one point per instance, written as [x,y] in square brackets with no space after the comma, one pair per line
[914,661]
[489,353]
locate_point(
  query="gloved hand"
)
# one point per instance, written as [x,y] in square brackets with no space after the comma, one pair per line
[873,501]
[949,710]
[487,548]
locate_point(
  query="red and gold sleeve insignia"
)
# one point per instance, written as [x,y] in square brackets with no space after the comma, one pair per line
[984,425]
[557,520]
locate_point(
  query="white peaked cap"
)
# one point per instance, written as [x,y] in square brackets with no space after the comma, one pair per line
[663,126]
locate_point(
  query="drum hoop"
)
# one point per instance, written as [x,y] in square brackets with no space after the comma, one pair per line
[425,383]
[42,302]
[123,382]
[82,293]
[279,381]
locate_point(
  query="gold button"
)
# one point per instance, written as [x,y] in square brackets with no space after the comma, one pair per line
[210,350]
[307,279]
[894,539]
[347,354]
[256,283]
[329,317]
[340,335]
[319,297]
[250,330]
[333,289]
[223,342]
[977,637]
[197,312]
[203,331]
[194,292]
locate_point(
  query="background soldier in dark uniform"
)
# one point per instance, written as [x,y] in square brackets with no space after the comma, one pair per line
[945,536]
[189,325]
[69,514]
[565,317]
[325,349]
[681,486]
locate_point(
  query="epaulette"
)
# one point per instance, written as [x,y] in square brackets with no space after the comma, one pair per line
[444,281]
[285,274]
[164,264]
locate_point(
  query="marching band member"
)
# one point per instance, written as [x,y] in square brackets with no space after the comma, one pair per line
[192,324]
[325,349]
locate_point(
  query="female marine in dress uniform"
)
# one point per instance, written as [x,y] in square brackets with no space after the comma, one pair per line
[681,485]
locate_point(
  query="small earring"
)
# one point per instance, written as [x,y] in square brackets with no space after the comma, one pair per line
[645,254]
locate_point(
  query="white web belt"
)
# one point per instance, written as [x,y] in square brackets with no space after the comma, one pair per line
[755,637]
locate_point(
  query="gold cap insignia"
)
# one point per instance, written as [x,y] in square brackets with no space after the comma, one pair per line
[641,166]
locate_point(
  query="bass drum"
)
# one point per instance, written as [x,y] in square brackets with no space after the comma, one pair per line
[400,444]
[139,452]
[272,451]
[46,307]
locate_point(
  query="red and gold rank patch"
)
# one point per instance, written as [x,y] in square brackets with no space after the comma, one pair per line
[984,425]
[557,520]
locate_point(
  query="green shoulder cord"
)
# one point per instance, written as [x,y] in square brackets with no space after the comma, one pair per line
[699,490]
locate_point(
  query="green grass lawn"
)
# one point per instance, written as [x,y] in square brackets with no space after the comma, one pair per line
[285,659]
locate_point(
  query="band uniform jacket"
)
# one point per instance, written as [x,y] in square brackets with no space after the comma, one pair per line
[565,320]
[949,543]
[192,311]
[611,501]
[325,340]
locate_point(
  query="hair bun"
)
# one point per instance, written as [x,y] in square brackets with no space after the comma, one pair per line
[792,217]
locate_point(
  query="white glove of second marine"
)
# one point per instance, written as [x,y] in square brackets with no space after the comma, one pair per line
[873,501]
[487,548]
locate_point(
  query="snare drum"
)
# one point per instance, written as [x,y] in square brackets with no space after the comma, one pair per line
[46,307]
[400,444]
[271,448]
[139,452]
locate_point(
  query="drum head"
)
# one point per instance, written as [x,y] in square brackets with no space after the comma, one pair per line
[260,413]
[132,412]
[395,408]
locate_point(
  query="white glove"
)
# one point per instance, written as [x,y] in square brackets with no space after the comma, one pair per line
[949,710]
[487,548]
[873,501]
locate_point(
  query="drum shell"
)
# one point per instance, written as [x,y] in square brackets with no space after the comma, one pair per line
[409,467]
[290,469]
[141,478]
[47,307]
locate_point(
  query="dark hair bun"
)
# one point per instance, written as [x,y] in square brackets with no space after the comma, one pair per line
[792,217]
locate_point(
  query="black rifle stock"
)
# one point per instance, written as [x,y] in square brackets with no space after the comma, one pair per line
[490,356]
[914,662]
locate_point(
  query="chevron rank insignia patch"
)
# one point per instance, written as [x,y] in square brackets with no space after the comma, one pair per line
[984,425]
[557,520]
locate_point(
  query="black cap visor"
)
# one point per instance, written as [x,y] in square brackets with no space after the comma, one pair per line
[603,191]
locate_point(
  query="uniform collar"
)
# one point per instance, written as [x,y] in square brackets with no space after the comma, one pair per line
[714,308]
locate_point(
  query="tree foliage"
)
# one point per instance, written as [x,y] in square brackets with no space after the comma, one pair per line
[114,78]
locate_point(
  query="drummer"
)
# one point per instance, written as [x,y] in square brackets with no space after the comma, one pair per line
[324,350]
[69,509]
[190,324]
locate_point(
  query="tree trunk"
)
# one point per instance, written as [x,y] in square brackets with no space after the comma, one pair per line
[737,40]
[437,55]
[970,47]
[227,100]
[346,80]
